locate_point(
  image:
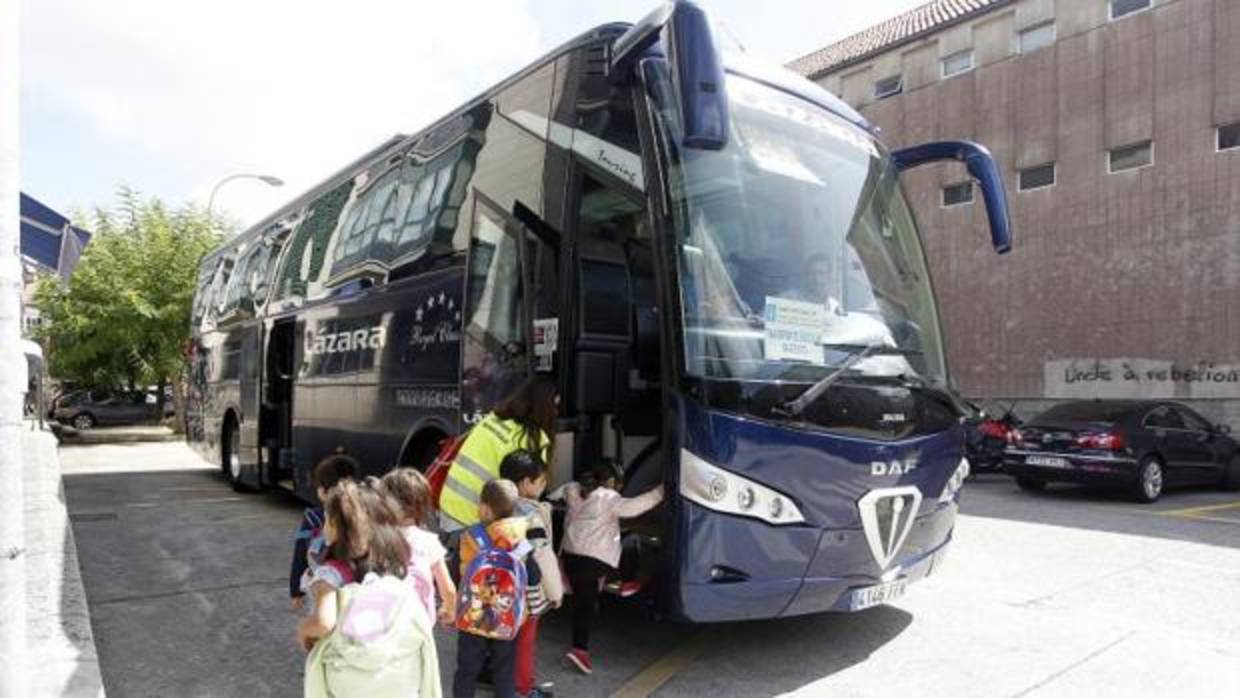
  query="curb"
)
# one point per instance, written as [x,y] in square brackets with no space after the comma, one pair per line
[69,436]
[61,655]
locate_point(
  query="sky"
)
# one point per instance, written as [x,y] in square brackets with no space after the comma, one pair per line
[170,97]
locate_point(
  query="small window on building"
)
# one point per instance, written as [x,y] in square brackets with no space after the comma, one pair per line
[1123,8]
[1131,157]
[957,194]
[1034,38]
[889,87]
[957,63]
[1229,136]
[1037,177]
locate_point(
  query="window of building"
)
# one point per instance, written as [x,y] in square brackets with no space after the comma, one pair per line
[1037,177]
[1034,38]
[957,63]
[1229,136]
[957,194]
[1123,8]
[889,87]
[1131,157]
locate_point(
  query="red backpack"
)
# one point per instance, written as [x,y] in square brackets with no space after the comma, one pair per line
[437,474]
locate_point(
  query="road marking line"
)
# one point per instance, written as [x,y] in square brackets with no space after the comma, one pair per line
[662,669]
[1215,519]
[1198,510]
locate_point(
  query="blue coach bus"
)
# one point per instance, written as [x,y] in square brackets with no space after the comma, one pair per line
[713,259]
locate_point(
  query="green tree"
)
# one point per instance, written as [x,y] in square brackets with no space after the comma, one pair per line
[123,318]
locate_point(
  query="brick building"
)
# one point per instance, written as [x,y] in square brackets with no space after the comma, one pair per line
[1117,125]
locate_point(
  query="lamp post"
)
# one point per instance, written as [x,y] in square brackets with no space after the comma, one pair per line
[267,179]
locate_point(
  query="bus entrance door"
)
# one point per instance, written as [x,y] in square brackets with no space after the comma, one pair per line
[277,413]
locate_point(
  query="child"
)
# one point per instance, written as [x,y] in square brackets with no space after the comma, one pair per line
[409,490]
[491,603]
[308,542]
[530,475]
[372,637]
[592,544]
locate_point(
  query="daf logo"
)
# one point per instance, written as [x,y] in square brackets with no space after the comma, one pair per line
[1047,438]
[887,517]
[880,468]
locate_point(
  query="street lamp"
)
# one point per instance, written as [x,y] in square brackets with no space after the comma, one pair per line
[267,179]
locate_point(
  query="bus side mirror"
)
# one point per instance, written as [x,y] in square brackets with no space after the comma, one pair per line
[982,167]
[696,67]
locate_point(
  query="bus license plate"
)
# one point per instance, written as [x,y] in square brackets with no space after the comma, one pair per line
[862,599]
[1046,461]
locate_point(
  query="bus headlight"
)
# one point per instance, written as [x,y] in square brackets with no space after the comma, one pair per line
[709,486]
[955,482]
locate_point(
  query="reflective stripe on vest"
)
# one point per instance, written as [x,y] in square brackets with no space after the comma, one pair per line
[477,463]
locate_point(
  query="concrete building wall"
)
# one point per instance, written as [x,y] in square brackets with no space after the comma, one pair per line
[1124,284]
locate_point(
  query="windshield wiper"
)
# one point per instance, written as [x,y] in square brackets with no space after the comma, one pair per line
[858,353]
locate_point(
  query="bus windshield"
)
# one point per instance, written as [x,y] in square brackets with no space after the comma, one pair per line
[798,256]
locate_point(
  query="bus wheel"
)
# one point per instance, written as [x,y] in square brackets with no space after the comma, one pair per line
[230,454]
[422,449]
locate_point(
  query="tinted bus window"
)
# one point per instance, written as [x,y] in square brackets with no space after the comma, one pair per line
[308,245]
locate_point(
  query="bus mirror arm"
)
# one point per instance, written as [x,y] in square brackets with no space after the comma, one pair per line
[696,68]
[982,167]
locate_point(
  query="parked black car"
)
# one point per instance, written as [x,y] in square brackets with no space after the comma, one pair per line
[1144,446]
[85,409]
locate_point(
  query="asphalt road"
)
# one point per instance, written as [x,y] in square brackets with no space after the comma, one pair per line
[1069,592]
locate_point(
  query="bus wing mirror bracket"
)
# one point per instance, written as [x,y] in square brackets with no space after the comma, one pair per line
[697,69]
[982,167]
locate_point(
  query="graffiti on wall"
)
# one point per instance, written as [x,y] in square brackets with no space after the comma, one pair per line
[1140,378]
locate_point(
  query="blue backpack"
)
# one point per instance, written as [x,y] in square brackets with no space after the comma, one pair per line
[493,588]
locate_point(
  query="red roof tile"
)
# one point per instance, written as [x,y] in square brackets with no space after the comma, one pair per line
[913,24]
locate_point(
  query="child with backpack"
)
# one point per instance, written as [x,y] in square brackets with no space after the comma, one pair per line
[530,475]
[427,570]
[367,633]
[491,606]
[592,544]
[308,544]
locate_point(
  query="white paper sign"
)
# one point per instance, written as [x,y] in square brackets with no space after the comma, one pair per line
[794,330]
[546,337]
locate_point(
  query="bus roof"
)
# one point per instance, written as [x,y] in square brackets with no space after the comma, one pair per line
[736,61]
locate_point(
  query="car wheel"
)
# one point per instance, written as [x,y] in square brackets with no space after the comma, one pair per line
[1030,484]
[1150,480]
[83,421]
[1231,474]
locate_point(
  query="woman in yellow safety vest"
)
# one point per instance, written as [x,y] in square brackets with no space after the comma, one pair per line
[525,420]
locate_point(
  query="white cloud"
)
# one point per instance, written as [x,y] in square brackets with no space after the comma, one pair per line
[294,89]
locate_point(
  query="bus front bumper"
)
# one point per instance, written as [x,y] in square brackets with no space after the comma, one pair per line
[839,563]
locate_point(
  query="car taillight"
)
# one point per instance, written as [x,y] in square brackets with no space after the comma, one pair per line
[1109,441]
[1014,437]
[994,429]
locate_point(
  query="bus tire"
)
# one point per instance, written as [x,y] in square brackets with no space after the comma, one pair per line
[230,454]
[421,450]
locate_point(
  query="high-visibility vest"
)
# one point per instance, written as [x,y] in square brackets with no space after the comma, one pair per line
[477,463]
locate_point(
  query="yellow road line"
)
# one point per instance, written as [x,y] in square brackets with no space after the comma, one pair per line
[1216,519]
[662,669]
[1190,511]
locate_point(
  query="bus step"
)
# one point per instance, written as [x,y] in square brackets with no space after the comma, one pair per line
[287,484]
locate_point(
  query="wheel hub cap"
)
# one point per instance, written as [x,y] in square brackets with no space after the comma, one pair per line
[1153,480]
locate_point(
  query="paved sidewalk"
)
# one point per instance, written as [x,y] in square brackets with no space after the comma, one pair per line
[60,652]
[138,433]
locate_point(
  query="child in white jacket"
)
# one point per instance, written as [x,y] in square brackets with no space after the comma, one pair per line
[592,544]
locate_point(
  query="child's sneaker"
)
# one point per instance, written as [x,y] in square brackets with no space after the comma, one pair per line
[580,659]
[630,588]
[542,690]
